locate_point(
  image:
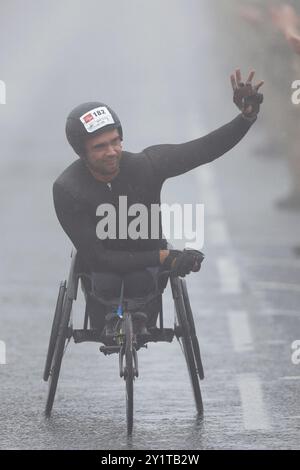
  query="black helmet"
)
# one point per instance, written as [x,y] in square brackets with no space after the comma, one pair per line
[89,119]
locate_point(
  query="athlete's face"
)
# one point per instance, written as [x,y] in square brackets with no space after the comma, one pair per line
[103,153]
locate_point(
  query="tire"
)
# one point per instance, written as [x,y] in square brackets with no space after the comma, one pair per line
[54,329]
[129,372]
[190,319]
[58,354]
[188,347]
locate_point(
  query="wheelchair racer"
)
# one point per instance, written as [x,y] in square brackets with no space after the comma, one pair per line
[104,172]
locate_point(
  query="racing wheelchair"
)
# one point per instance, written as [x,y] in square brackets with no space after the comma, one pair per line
[127,339]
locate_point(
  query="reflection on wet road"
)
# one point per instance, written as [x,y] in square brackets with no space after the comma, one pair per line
[151,62]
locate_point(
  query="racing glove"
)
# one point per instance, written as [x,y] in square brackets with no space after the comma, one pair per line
[181,263]
[245,96]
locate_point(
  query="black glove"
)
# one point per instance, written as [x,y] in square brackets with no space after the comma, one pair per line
[255,101]
[245,96]
[183,262]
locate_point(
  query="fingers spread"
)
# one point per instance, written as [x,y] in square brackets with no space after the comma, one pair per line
[233,82]
[238,76]
[257,87]
[250,78]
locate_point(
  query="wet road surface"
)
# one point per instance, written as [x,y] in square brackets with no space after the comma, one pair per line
[246,297]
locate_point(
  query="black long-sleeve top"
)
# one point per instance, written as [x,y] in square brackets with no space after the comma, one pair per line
[77,194]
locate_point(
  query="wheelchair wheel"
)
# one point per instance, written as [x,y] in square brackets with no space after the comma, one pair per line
[63,336]
[186,341]
[54,329]
[190,319]
[129,372]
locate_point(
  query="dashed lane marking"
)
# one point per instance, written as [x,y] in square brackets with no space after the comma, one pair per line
[229,276]
[262,261]
[282,286]
[281,312]
[206,179]
[254,414]
[290,377]
[240,331]
[218,232]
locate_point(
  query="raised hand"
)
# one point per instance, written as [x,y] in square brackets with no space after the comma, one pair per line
[245,95]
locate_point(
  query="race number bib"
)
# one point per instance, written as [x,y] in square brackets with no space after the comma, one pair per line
[96,118]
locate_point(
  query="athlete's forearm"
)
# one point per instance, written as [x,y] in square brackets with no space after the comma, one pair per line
[173,160]
[216,143]
[126,261]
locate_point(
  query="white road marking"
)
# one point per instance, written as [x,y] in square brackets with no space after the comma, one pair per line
[282,286]
[212,204]
[254,414]
[218,232]
[206,179]
[240,331]
[290,377]
[229,276]
[217,227]
[281,312]
[261,261]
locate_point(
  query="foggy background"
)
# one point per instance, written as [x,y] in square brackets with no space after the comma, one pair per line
[164,67]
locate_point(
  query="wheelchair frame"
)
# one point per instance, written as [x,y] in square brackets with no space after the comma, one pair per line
[62,331]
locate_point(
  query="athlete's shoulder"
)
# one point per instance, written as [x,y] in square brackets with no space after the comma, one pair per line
[74,178]
[75,171]
[129,158]
[134,162]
